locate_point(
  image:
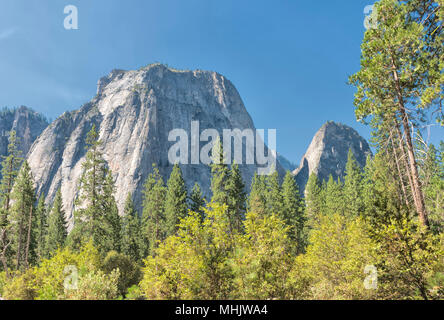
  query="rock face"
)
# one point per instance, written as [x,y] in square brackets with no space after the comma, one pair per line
[134,111]
[27,124]
[327,153]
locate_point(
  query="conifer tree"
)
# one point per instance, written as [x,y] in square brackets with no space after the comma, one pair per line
[10,168]
[22,218]
[257,200]
[353,187]
[403,53]
[112,219]
[274,196]
[220,175]
[236,198]
[97,218]
[313,200]
[131,235]
[197,201]
[176,207]
[153,215]
[57,226]
[334,202]
[41,228]
[293,210]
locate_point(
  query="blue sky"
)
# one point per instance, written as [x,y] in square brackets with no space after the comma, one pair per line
[289,60]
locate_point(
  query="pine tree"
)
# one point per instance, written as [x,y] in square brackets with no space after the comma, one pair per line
[432,178]
[220,175]
[274,196]
[153,215]
[197,201]
[111,217]
[257,200]
[41,228]
[10,168]
[334,202]
[293,211]
[57,226]
[131,235]
[97,218]
[313,201]
[176,207]
[236,198]
[403,52]
[22,218]
[353,187]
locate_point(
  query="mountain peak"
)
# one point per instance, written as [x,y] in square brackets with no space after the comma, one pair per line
[328,152]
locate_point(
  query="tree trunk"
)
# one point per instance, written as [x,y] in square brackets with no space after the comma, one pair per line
[5,246]
[418,196]
[28,241]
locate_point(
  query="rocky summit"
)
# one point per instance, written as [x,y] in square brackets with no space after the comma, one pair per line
[27,124]
[328,152]
[134,111]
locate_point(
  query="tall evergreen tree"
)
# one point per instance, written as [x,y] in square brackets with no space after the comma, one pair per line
[57,226]
[41,228]
[334,201]
[313,201]
[236,198]
[257,200]
[153,215]
[96,218]
[22,218]
[111,215]
[197,201]
[293,211]
[401,72]
[176,207]
[353,187]
[274,196]
[10,168]
[220,175]
[131,235]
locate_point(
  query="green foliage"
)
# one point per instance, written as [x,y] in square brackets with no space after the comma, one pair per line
[22,218]
[132,245]
[57,230]
[352,192]
[236,198]
[41,232]
[129,272]
[313,201]
[274,197]
[153,215]
[262,260]
[46,282]
[96,216]
[334,202]
[176,207]
[197,201]
[257,200]
[192,264]
[96,285]
[338,253]
[411,261]
[220,175]
[293,211]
